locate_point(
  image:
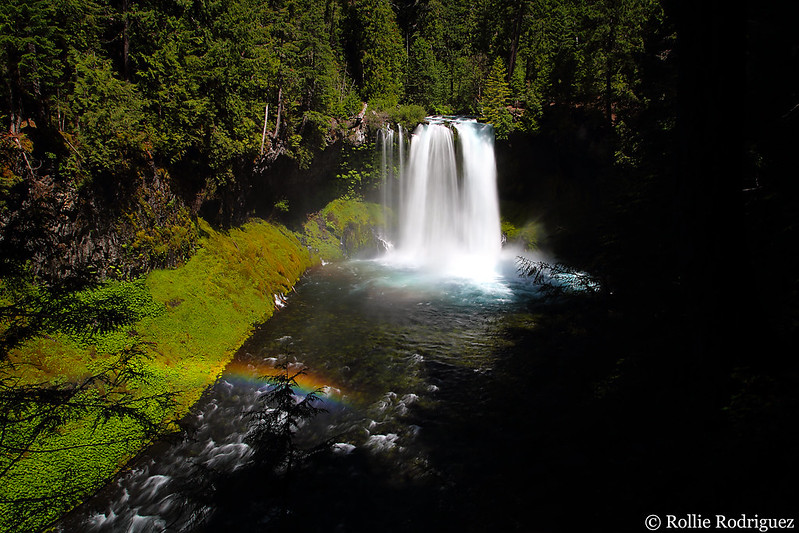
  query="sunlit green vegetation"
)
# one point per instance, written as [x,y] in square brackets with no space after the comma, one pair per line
[183,325]
[188,322]
[109,86]
[125,121]
[343,228]
[529,234]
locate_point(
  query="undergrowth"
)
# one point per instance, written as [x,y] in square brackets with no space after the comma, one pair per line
[189,321]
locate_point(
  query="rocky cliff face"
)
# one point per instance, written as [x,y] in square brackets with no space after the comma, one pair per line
[61,231]
[145,217]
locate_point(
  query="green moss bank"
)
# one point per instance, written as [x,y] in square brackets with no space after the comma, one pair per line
[189,322]
[344,228]
[192,319]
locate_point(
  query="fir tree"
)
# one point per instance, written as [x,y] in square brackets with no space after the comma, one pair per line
[494,102]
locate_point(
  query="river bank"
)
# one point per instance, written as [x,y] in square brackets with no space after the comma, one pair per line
[190,322]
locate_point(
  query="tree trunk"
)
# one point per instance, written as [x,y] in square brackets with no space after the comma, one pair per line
[14,85]
[279,111]
[514,45]
[125,40]
[451,80]
[263,137]
[14,114]
[608,92]
[40,108]
[610,45]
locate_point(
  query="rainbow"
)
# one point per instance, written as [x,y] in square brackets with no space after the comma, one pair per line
[253,374]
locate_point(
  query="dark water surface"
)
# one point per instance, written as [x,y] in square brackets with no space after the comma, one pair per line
[427,410]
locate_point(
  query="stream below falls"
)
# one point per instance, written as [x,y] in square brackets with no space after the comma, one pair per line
[424,415]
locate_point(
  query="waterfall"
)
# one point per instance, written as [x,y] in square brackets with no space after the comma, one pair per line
[448,209]
[401,151]
[385,138]
[483,236]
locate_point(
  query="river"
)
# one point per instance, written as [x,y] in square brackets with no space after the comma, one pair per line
[412,372]
[422,362]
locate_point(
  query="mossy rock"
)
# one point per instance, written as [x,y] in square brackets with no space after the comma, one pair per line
[530,235]
[345,228]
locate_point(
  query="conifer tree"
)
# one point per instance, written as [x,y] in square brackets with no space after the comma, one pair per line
[493,105]
[381,56]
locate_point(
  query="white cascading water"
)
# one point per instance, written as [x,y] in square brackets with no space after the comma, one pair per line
[448,209]
[385,139]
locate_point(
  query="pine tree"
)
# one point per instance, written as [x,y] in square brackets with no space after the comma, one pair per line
[494,102]
[284,410]
[381,55]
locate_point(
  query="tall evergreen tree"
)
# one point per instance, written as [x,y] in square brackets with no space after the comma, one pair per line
[380,55]
[494,104]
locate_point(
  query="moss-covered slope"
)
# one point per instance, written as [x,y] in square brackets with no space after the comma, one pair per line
[191,321]
[344,228]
